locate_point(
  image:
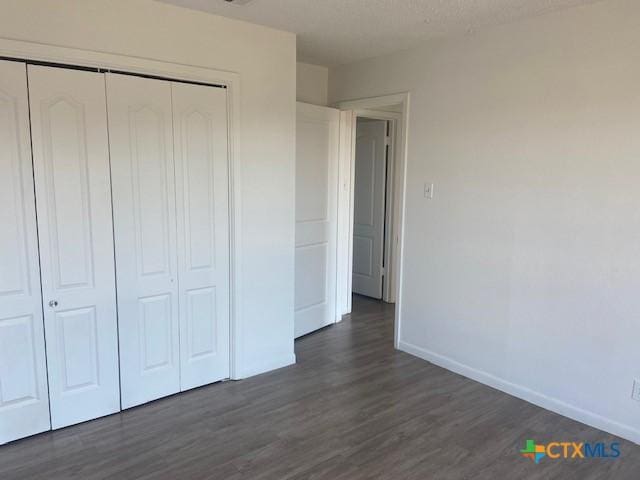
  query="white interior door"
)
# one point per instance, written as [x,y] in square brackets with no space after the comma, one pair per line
[317,148]
[24,398]
[202,196]
[144,208]
[368,205]
[71,163]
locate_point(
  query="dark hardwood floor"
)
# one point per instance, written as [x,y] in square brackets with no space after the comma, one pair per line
[352,408]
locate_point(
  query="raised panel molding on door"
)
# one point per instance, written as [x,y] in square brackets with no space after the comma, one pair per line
[24,398]
[71,163]
[202,195]
[144,209]
[317,146]
[368,207]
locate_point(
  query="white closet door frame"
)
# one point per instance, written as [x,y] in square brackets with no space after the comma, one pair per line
[24,395]
[231,80]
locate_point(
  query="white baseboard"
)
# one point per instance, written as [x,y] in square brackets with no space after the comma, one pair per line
[269,365]
[555,405]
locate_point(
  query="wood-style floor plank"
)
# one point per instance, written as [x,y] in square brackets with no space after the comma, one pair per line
[352,408]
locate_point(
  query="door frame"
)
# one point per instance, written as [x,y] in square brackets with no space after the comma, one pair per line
[372,107]
[64,56]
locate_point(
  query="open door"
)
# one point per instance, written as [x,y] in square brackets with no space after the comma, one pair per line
[317,149]
[369,206]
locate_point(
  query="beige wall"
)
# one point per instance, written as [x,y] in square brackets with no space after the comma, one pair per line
[265,60]
[524,270]
[312,83]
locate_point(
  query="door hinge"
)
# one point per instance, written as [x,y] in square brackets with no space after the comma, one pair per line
[387,140]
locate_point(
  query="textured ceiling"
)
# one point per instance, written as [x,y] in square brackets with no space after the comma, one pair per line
[332,32]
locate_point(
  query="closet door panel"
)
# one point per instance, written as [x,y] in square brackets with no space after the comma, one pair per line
[202,192]
[24,398]
[71,163]
[142,166]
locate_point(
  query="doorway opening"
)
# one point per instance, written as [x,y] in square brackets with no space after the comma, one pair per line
[373,138]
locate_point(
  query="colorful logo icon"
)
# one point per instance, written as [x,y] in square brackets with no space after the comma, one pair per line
[533,451]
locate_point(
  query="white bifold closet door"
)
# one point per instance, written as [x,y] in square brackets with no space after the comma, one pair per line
[24,399]
[171,230]
[202,192]
[73,197]
[144,212]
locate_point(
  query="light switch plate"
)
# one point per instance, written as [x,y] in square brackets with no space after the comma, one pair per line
[428,190]
[635,394]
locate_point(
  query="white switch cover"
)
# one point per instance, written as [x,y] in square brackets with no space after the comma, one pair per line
[428,190]
[635,394]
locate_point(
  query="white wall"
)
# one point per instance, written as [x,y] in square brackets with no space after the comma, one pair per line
[265,60]
[524,270]
[312,83]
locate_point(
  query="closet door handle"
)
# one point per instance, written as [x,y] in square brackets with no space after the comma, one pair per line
[53,303]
